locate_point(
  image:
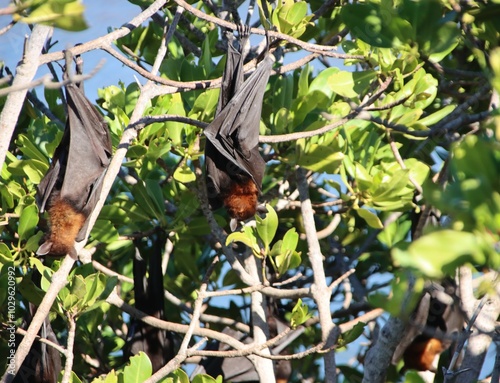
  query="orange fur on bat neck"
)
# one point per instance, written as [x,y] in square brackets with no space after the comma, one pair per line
[65,223]
[241,201]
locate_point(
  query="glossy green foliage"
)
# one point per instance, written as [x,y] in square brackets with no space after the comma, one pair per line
[66,14]
[261,240]
[405,119]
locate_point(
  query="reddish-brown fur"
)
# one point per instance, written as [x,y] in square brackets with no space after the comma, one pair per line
[241,200]
[65,223]
[420,354]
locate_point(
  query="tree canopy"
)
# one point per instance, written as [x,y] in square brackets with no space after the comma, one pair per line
[380,130]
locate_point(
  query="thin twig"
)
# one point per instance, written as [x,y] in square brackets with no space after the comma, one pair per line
[448,373]
[68,366]
[48,342]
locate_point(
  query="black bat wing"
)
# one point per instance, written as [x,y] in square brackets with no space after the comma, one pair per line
[232,77]
[235,130]
[81,158]
[54,177]
[89,153]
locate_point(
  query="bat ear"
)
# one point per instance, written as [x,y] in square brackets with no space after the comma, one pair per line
[233,224]
[44,248]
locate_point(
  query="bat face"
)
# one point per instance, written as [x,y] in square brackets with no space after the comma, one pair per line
[70,189]
[234,167]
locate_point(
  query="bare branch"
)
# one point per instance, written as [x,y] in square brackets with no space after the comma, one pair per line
[321,293]
[68,366]
[25,72]
[316,48]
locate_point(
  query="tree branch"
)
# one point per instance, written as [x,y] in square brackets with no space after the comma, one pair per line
[25,72]
[321,293]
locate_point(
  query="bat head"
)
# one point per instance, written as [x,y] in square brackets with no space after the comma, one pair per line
[241,201]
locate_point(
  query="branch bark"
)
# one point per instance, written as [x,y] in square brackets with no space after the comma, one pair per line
[25,72]
[321,292]
[483,329]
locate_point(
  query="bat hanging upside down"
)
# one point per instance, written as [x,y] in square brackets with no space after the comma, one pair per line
[70,189]
[234,167]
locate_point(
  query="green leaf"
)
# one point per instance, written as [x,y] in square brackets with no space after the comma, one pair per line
[321,83]
[202,378]
[184,174]
[287,260]
[5,254]
[394,232]
[73,377]
[351,84]
[78,287]
[111,377]
[246,237]
[179,376]
[284,254]
[154,190]
[303,83]
[104,231]
[35,170]
[413,376]
[27,222]
[318,158]
[371,218]
[138,370]
[145,202]
[300,314]
[386,189]
[29,149]
[32,243]
[290,240]
[351,335]
[64,15]
[267,226]
[439,253]
[495,67]
[363,178]
[366,22]
[437,116]
[95,285]
[444,40]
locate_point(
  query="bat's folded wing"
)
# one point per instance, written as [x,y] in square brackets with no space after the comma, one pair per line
[88,155]
[235,130]
[55,175]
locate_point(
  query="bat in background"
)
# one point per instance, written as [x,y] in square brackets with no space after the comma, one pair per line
[234,167]
[435,325]
[158,344]
[70,189]
[241,369]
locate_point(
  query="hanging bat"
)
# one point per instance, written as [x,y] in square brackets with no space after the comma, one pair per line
[70,189]
[435,325]
[158,344]
[241,369]
[234,167]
